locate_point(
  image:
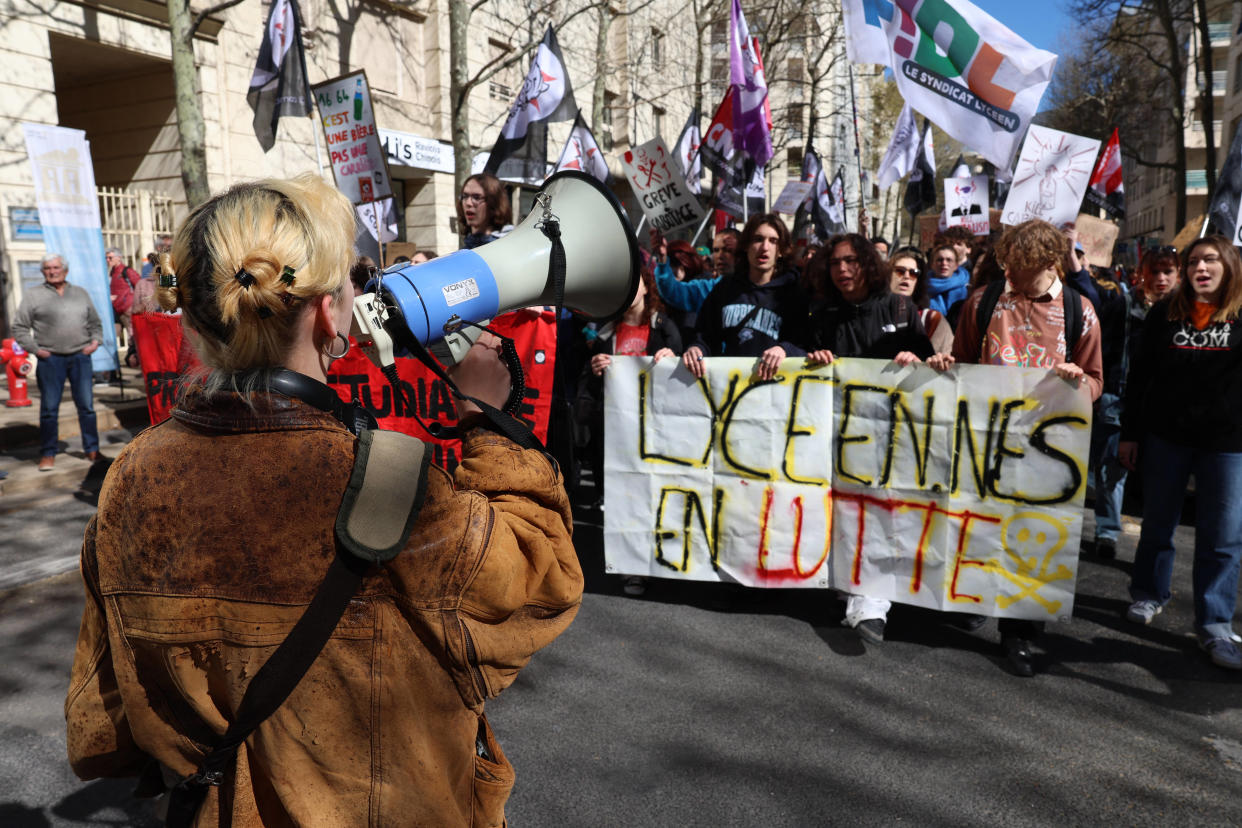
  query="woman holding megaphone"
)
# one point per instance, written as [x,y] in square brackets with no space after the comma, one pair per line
[253,530]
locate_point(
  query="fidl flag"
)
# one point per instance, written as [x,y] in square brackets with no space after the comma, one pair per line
[687,151]
[1106,190]
[278,86]
[803,224]
[521,151]
[752,114]
[582,153]
[972,76]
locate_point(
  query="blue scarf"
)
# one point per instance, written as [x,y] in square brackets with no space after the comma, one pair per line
[945,292]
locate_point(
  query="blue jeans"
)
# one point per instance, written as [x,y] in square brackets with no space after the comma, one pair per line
[1109,478]
[51,375]
[1218,530]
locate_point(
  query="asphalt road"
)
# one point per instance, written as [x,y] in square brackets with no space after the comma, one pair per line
[683,708]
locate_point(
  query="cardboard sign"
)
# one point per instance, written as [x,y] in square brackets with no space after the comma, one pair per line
[660,187]
[359,165]
[791,197]
[1051,177]
[960,490]
[966,203]
[1097,237]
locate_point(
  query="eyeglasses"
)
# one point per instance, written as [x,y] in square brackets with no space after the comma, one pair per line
[473,198]
[1210,258]
[905,271]
[846,260]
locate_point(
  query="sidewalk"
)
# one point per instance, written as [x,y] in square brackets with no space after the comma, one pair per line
[120,413]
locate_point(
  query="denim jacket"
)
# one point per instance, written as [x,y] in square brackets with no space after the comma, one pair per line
[214,531]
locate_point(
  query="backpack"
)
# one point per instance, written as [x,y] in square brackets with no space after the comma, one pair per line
[1073,314]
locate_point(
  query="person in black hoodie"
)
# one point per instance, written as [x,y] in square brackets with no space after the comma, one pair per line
[1184,403]
[759,310]
[861,317]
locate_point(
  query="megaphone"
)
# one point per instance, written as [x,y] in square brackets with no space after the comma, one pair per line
[430,301]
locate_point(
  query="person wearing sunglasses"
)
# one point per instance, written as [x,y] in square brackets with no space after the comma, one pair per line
[860,316]
[910,279]
[483,210]
[1183,417]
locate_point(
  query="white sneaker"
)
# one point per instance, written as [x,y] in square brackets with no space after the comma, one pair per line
[1141,612]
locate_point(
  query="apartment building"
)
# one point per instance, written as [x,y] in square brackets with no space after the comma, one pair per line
[1151,192]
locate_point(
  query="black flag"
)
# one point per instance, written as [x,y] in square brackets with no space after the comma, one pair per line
[521,151]
[1223,214]
[921,188]
[278,86]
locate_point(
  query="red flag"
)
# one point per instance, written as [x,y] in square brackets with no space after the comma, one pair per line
[1106,190]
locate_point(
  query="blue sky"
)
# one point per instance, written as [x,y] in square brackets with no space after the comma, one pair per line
[1039,23]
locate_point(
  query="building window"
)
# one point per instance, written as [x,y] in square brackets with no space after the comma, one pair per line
[657,120]
[794,120]
[793,162]
[657,49]
[496,90]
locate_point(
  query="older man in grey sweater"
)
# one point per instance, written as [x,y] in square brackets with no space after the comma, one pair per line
[58,324]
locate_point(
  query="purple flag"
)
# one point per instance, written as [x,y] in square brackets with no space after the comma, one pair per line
[752,114]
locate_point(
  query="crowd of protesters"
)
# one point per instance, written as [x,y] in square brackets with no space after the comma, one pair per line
[1155,350]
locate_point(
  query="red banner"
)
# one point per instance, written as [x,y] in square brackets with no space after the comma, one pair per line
[166,356]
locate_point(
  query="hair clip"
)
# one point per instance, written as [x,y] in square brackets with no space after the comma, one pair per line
[286,275]
[265,312]
[167,280]
[244,278]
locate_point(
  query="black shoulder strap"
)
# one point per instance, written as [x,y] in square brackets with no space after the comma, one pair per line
[376,535]
[1073,320]
[983,313]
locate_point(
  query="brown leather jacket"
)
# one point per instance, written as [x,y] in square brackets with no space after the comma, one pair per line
[214,530]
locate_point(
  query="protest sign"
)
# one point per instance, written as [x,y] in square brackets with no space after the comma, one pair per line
[166,358]
[359,165]
[966,203]
[955,491]
[1051,177]
[792,196]
[660,187]
[1098,237]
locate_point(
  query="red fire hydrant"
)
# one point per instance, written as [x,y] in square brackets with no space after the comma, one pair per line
[16,368]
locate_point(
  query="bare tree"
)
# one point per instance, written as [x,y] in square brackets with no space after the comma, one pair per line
[183,22]
[1139,40]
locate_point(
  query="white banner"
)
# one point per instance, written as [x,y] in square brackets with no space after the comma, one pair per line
[956,491]
[955,64]
[359,165]
[60,164]
[660,187]
[1051,177]
[966,203]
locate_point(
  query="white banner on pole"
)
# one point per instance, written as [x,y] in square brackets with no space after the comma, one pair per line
[60,164]
[955,491]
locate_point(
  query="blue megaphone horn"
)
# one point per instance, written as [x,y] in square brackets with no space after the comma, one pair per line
[430,301]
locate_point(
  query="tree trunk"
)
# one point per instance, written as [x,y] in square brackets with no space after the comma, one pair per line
[601,62]
[190,126]
[459,91]
[1209,102]
[1177,72]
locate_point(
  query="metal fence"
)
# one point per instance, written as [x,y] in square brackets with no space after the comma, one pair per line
[132,220]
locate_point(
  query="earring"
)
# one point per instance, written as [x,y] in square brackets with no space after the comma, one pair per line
[344,339]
